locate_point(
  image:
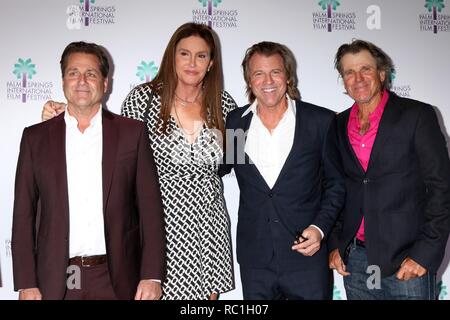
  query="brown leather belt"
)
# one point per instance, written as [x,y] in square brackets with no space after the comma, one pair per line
[88,261]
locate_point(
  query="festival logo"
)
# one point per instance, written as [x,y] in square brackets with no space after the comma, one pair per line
[434,20]
[329,19]
[145,71]
[87,13]
[214,17]
[402,90]
[24,88]
[442,290]
[336,293]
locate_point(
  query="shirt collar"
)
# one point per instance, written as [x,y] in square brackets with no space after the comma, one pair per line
[377,113]
[72,122]
[252,107]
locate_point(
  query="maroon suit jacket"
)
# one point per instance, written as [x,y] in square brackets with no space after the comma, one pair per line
[133,216]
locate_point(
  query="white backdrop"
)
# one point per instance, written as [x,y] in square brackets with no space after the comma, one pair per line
[34,33]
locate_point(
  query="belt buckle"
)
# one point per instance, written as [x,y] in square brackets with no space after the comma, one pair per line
[83,262]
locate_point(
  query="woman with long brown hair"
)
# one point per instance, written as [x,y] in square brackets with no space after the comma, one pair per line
[185,108]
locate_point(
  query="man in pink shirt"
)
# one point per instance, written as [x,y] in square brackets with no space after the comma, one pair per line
[390,238]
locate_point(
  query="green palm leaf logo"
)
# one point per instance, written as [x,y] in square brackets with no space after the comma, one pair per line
[442,289]
[215,3]
[336,293]
[438,4]
[434,5]
[328,5]
[24,70]
[210,4]
[147,71]
[392,76]
[86,3]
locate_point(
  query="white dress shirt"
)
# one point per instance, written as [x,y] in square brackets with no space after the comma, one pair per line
[269,151]
[84,181]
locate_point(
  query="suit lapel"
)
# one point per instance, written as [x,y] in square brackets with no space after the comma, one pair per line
[289,160]
[245,121]
[385,129]
[244,124]
[254,172]
[57,156]
[110,139]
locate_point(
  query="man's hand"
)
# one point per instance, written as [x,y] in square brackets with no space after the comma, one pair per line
[410,269]
[51,109]
[335,262]
[309,242]
[30,294]
[148,290]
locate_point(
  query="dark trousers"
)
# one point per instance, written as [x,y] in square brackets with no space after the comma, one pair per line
[270,283]
[95,284]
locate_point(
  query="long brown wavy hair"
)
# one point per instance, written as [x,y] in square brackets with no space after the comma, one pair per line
[165,82]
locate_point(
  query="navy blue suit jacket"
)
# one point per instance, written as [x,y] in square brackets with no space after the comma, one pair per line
[309,190]
[405,193]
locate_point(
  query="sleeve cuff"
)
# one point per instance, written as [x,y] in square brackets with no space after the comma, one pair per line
[155,280]
[321,233]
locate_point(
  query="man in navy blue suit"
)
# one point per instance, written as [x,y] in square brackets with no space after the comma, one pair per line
[396,218]
[284,153]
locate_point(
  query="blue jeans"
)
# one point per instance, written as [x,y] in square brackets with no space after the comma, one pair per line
[357,288]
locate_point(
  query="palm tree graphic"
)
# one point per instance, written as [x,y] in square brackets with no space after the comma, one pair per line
[210,4]
[328,4]
[433,5]
[336,293]
[146,71]
[442,290]
[86,8]
[24,69]
[392,76]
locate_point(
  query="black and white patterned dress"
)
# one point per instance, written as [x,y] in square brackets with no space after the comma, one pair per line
[199,257]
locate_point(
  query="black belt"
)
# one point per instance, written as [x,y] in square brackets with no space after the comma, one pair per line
[359,243]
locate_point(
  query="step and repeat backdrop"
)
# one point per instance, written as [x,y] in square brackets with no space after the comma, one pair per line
[415,33]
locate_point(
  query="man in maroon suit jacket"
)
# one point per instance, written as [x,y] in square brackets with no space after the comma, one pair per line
[88,221]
